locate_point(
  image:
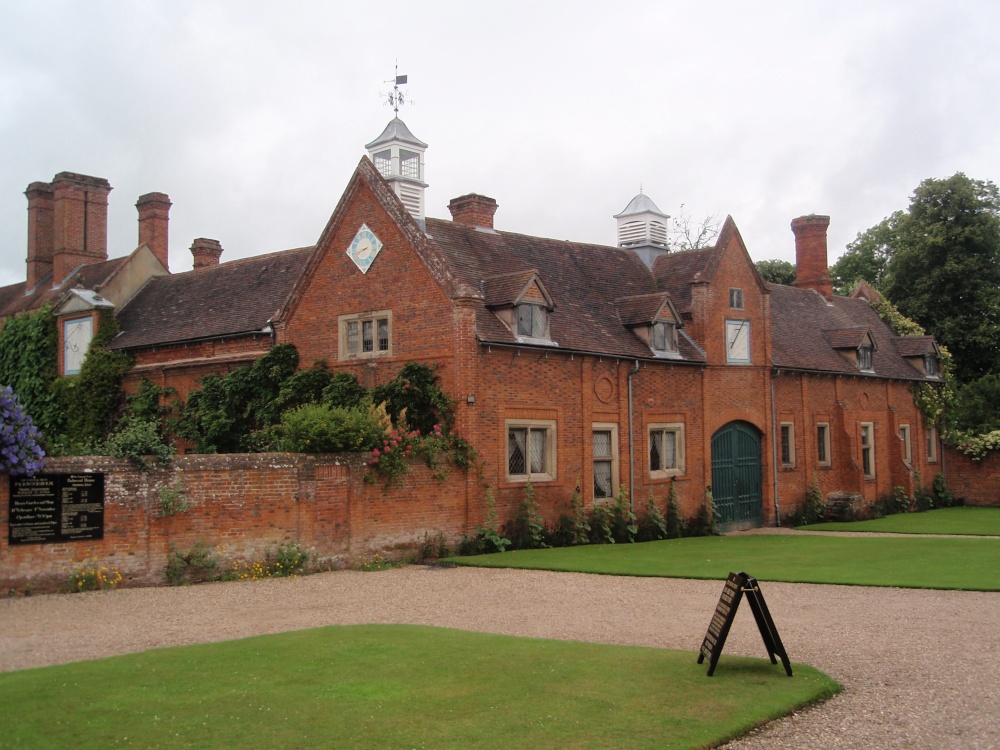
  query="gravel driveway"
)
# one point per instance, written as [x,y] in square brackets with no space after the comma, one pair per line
[920,669]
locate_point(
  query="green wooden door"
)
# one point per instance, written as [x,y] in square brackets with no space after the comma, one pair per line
[736,476]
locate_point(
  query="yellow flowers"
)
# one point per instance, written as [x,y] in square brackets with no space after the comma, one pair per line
[88,575]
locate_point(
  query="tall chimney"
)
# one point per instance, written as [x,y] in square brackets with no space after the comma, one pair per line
[206,252]
[473,210]
[811,271]
[41,207]
[154,218]
[80,222]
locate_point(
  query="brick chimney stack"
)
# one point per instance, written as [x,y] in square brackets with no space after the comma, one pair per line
[206,252]
[41,210]
[154,218]
[80,222]
[473,210]
[811,270]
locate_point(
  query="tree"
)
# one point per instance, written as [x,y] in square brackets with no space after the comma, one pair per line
[866,258]
[776,271]
[691,235]
[943,269]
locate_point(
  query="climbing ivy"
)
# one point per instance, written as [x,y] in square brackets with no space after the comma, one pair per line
[28,350]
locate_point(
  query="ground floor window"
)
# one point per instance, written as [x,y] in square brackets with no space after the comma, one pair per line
[666,450]
[823,443]
[904,437]
[531,450]
[605,446]
[787,444]
[868,449]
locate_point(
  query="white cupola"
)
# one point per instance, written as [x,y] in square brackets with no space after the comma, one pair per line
[399,157]
[642,227]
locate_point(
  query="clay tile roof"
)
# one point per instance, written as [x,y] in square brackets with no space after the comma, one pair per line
[585,281]
[13,299]
[675,272]
[799,315]
[640,309]
[846,338]
[506,288]
[229,299]
[915,346]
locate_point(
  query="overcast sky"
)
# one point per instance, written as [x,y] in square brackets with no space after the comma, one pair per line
[253,115]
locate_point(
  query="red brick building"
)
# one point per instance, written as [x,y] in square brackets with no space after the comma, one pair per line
[571,364]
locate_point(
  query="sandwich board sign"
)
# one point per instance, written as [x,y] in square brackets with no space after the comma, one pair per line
[737,586]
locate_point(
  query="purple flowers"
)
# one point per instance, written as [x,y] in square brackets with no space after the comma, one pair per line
[20,452]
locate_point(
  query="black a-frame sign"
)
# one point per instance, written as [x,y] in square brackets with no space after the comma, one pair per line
[736,586]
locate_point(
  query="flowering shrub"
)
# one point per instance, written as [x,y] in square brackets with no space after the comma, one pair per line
[87,575]
[20,452]
[287,561]
[390,460]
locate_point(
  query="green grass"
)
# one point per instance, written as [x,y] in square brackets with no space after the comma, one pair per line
[981,521]
[398,686]
[911,562]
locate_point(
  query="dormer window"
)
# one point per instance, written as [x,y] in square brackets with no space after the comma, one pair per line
[865,358]
[930,366]
[664,338]
[532,321]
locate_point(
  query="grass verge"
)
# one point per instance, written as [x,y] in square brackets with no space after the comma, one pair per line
[377,686]
[979,521]
[909,562]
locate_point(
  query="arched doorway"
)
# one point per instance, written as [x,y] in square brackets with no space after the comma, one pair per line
[736,476]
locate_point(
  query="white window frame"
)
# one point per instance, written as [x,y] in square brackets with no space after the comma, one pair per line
[823,457]
[612,458]
[787,429]
[350,326]
[679,459]
[78,348]
[904,436]
[932,445]
[546,426]
[866,442]
[733,329]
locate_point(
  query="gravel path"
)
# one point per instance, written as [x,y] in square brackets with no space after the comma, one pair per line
[921,669]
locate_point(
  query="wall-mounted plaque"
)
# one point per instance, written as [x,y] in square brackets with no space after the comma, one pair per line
[738,585]
[49,508]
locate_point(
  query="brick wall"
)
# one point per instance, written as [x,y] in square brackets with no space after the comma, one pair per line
[242,505]
[977,482]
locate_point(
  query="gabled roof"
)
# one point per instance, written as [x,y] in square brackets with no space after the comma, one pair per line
[584,282]
[229,299]
[511,288]
[916,346]
[675,272]
[17,298]
[645,309]
[848,338]
[799,315]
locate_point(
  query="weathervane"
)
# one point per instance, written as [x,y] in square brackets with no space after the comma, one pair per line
[397,98]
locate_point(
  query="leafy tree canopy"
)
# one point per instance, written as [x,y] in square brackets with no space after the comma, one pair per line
[939,262]
[776,271]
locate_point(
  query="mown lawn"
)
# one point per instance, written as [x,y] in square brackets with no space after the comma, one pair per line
[977,521]
[910,562]
[398,686]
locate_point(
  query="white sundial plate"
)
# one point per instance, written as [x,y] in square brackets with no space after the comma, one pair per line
[364,248]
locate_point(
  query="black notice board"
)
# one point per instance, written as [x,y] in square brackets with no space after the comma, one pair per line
[737,586]
[49,508]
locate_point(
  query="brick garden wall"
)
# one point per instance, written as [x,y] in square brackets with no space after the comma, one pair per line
[242,505]
[978,482]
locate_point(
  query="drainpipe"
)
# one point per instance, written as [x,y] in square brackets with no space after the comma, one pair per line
[631,446]
[774,452]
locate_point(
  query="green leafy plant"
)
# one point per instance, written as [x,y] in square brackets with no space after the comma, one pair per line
[675,521]
[942,495]
[173,501]
[137,440]
[528,528]
[705,522]
[287,560]
[602,519]
[578,526]
[416,390]
[374,562]
[489,531]
[197,565]
[624,524]
[653,524]
[28,353]
[321,428]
